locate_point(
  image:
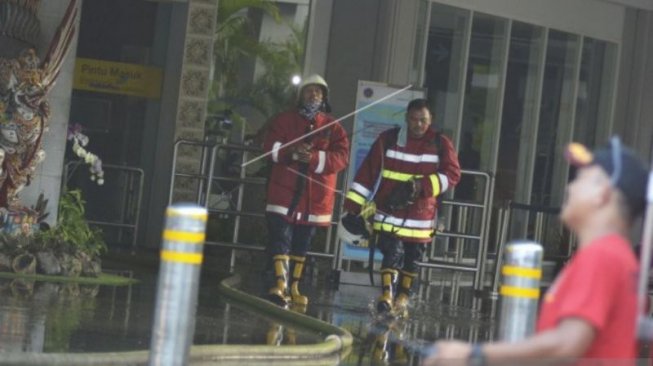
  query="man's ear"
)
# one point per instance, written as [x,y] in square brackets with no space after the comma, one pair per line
[604,194]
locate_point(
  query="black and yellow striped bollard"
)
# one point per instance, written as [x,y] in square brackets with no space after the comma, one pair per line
[520,290]
[179,271]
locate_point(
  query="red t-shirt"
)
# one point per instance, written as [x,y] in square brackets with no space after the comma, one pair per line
[598,285]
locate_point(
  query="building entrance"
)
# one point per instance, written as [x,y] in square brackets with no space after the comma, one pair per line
[513,94]
[115,100]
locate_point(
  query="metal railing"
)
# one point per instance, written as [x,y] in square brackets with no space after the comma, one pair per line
[133,183]
[532,227]
[206,177]
[478,267]
[432,262]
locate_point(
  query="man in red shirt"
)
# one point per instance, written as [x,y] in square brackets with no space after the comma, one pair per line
[590,311]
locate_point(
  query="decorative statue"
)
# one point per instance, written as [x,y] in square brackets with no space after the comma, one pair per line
[25,81]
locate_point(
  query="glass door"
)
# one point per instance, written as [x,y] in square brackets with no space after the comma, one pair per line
[521,105]
[484,89]
[446,58]
[513,94]
[557,112]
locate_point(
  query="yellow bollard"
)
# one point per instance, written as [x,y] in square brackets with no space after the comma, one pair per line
[179,271]
[520,290]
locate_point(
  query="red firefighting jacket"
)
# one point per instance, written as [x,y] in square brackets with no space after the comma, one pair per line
[304,193]
[431,159]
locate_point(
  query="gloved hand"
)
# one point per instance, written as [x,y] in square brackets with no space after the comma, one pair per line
[355,224]
[301,152]
[402,196]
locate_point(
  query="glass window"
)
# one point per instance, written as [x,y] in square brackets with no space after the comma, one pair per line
[446,52]
[519,119]
[556,122]
[556,118]
[481,114]
[512,95]
[520,112]
[483,92]
[445,57]
[595,92]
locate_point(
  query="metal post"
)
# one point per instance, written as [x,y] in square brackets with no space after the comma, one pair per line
[481,255]
[645,324]
[520,290]
[502,234]
[209,177]
[539,226]
[181,259]
[459,243]
[201,198]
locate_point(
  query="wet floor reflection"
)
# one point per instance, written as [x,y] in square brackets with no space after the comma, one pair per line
[51,317]
[241,326]
[39,317]
[445,308]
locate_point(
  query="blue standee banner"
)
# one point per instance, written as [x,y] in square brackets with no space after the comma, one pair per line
[368,124]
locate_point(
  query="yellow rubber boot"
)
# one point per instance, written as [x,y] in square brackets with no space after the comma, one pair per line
[291,336]
[298,308]
[297,265]
[403,293]
[399,356]
[388,280]
[279,293]
[274,336]
[380,348]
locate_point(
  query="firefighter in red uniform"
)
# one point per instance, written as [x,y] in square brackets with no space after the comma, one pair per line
[302,183]
[412,166]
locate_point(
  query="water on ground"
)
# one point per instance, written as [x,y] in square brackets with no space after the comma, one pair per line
[71,318]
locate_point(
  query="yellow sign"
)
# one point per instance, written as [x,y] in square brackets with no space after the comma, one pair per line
[117,78]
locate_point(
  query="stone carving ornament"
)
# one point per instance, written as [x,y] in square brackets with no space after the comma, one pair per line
[25,81]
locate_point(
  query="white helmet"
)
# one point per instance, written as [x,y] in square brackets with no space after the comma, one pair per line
[315,79]
[352,229]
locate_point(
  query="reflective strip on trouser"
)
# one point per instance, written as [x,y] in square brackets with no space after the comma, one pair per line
[181,259]
[520,290]
[299,216]
[402,231]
